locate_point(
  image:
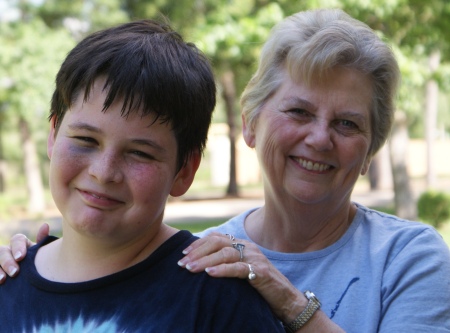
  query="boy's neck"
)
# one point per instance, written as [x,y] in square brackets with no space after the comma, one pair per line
[75,259]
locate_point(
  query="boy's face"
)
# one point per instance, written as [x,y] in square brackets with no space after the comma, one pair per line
[110,176]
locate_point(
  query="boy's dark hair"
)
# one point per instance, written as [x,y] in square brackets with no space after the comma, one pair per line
[153,70]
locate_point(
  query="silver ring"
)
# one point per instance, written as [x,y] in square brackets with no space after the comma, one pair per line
[240,247]
[231,237]
[251,274]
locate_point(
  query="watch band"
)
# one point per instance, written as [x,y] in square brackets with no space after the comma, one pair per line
[302,319]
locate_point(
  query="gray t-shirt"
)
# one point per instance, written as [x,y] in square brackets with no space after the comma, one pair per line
[385,274]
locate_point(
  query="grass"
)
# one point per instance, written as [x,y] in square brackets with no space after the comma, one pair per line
[197,226]
[13,206]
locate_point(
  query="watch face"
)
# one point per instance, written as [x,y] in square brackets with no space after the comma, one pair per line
[310,296]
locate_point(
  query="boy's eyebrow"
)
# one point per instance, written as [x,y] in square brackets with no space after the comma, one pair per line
[87,127]
[150,143]
[84,126]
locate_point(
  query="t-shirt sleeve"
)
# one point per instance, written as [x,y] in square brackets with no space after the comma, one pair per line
[416,287]
[250,312]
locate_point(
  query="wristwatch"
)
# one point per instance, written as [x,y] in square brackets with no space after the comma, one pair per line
[302,319]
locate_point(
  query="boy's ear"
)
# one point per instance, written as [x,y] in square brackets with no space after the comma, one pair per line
[51,137]
[184,178]
[248,133]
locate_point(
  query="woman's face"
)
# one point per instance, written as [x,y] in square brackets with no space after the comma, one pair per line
[312,141]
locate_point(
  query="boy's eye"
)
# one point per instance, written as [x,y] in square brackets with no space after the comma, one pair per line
[85,139]
[141,154]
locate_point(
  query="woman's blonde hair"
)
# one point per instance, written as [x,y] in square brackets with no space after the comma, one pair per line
[310,43]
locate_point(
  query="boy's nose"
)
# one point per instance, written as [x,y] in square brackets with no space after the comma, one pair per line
[106,168]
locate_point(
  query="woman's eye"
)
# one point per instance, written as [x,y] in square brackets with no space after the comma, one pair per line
[299,111]
[347,127]
[348,123]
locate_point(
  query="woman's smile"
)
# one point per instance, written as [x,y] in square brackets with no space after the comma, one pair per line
[311,165]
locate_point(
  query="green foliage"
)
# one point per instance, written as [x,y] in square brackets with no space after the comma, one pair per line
[80,16]
[231,32]
[434,207]
[30,56]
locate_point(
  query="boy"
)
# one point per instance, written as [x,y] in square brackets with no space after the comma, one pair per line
[129,119]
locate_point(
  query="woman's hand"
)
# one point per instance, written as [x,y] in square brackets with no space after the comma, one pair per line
[216,255]
[16,251]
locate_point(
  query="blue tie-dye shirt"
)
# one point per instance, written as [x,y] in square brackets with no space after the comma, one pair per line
[155,295]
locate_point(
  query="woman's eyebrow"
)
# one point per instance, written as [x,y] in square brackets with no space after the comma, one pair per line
[351,114]
[291,101]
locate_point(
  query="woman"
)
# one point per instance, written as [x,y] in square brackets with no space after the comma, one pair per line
[318,108]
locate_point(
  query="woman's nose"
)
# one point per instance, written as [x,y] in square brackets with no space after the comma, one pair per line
[319,136]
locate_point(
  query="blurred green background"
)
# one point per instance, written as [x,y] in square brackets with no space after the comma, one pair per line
[35,36]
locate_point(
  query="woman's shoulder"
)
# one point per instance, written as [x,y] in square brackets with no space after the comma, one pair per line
[390,228]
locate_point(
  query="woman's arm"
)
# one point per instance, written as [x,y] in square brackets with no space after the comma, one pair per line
[16,251]
[215,255]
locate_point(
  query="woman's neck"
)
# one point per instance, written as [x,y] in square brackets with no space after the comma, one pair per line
[300,228]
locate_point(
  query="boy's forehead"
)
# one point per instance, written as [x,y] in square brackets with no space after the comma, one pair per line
[99,90]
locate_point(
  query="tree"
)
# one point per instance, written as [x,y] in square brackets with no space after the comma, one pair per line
[232,34]
[29,63]
[33,46]
[405,206]
[427,35]
[418,30]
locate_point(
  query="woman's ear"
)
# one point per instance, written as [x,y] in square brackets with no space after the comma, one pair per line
[366,165]
[51,137]
[184,178]
[248,133]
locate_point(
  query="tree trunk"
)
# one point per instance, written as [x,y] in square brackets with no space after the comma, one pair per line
[2,159]
[374,173]
[431,110]
[35,188]
[405,205]
[229,96]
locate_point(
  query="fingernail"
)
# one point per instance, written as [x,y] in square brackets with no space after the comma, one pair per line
[209,269]
[187,250]
[17,255]
[12,271]
[181,263]
[2,276]
[190,266]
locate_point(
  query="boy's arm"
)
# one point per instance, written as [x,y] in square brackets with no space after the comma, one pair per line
[16,251]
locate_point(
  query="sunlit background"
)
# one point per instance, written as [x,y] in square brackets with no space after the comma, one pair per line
[35,36]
